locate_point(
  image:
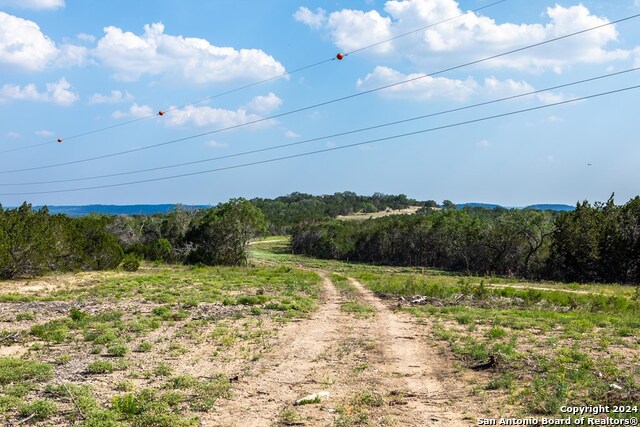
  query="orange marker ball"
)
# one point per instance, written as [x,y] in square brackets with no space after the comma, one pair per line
[59,139]
[161,113]
[340,56]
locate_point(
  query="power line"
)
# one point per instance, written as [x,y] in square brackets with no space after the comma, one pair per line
[332,101]
[335,135]
[249,85]
[309,153]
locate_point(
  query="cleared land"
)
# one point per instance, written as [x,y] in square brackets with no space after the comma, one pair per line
[178,346]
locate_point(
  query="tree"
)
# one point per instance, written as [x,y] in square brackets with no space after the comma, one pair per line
[222,236]
[448,205]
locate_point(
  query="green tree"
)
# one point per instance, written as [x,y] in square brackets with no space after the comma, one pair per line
[222,236]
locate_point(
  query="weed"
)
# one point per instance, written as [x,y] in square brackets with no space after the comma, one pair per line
[144,347]
[16,370]
[118,350]
[25,315]
[100,367]
[38,409]
[162,370]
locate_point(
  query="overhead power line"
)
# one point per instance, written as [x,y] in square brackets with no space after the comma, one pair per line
[320,138]
[342,147]
[249,85]
[332,101]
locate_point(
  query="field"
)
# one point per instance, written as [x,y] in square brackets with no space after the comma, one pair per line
[298,341]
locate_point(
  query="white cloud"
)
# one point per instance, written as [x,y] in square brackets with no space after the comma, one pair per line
[135,111]
[423,87]
[12,134]
[44,133]
[196,60]
[33,4]
[88,38]
[472,35]
[636,53]
[291,134]
[554,119]
[207,116]
[265,104]
[22,44]
[483,143]
[312,19]
[59,93]
[216,144]
[114,97]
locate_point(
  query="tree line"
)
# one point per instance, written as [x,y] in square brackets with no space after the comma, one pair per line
[284,212]
[33,242]
[594,243]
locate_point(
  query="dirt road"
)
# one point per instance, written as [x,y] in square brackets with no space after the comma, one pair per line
[377,370]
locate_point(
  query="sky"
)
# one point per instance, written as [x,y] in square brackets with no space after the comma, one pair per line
[235,76]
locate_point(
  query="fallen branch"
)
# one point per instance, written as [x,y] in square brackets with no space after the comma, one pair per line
[24,420]
[74,401]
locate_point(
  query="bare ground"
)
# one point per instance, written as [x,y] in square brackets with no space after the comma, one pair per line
[378,370]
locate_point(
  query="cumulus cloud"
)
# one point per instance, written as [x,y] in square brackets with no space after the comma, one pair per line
[34,4]
[265,104]
[87,38]
[155,53]
[22,44]
[60,93]
[208,116]
[13,134]
[135,111]
[114,97]
[420,87]
[470,35]
[312,19]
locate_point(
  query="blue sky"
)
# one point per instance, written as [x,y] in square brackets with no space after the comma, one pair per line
[68,67]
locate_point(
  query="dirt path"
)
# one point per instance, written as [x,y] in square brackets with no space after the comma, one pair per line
[379,369]
[281,378]
[427,376]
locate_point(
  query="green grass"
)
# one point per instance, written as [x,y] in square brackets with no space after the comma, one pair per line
[178,305]
[14,370]
[100,367]
[351,298]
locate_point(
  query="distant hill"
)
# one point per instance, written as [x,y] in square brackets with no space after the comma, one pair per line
[552,207]
[115,209]
[541,207]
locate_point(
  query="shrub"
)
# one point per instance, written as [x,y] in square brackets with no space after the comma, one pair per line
[38,409]
[15,370]
[100,367]
[117,350]
[130,262]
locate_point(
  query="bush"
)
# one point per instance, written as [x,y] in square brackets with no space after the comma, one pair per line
[100,367]
[130,262]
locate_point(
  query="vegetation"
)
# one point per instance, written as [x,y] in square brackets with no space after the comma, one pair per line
[125,357]
[34,242]
[282,213]
[595,243]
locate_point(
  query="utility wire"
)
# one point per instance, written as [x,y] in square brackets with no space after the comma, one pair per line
[320,138]
[249,85]
[309,153]
[332,101]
